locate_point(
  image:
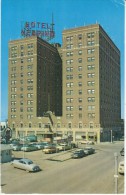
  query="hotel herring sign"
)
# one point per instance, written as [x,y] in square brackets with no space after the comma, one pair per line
[39,29]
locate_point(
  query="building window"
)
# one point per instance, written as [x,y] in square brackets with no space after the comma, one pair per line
[69,69]
[40,125]
[30,73]
[91,91]
[69,125]
[80,125]
[29,67]
[90,51]
[79,68]
[80,52]
[69,116]
[80,36]
[21,75]
[69,108]
[13,89]
[69,84]
[80,115]
[90,35]
[80,108]
[29,116]
[13,61]
[69,100]
[69,61]
[91,115]
[91,107]
[29,59]
[91,67]
[21,109]
[91,125]
[79,45]
[30,88]
[30,95]
[68,77]
[69,53]
[13,96]
[69,92]
[80,100]
[91,75]
[91,99]
[90,43]
[22,47]
[30,46]
[69,38]
[90,59]
[80,76]
[80,60]
[30,81]
[80,92]
[30,125]
[21,102]
[30,102]
[22,60]
[80,84]
[90,83]
[70,46]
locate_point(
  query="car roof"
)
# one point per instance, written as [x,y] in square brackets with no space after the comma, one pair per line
[26,159]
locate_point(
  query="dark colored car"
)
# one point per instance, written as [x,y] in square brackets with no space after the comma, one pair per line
[89,150]
[122,152]
[78,154]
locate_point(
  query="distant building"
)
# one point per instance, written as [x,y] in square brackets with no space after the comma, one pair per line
[77,96]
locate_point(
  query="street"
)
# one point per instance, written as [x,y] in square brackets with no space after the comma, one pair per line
[93,174]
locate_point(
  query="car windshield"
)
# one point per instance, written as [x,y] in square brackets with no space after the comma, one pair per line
[30,162]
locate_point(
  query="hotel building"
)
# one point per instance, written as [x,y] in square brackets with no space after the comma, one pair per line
[89,104]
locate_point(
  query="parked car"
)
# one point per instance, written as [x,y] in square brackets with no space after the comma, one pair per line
[26,164]
[86,142]
[39,145]
[64,146]
[121,167]
[122,152]
[78,154]
[89,150]
[50,150]
[17,147]
[28,148]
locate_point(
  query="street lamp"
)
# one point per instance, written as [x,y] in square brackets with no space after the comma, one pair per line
[111,136]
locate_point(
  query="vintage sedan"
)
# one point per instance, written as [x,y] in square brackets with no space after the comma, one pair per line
[17,147]
[122,152]
[64,146]
[121,167]
[50,150]
[78,154]
[89,150]
[26,164]
[28,148]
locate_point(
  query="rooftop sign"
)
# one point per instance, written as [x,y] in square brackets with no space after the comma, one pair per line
[39,29]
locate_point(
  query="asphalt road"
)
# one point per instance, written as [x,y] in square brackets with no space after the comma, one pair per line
[93,174]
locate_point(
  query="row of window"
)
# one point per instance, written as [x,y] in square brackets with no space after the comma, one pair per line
[71,108]
[89,51]
[89,59]
[89,75]
[15,54]
[29,46]
[89,115]
[29,95]
[22,60]
[71,92]
[80,36]
[89,67]
[89,43]
[89,83]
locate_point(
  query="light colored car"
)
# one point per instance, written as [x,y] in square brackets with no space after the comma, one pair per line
[89,150]
[28,148]
[26,164]
[39,146]
[17,147]
[50,150]
[121,167]
[65,146]
[86,142]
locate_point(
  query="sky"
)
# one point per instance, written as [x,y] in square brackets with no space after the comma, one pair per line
[67,14]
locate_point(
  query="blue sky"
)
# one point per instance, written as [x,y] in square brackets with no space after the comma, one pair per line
[67,14]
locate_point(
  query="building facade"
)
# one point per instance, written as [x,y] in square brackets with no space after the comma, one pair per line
[91,84]
[81,89]
[35,85]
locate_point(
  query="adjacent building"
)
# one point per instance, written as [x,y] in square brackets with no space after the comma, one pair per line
[35,85]
[78,83]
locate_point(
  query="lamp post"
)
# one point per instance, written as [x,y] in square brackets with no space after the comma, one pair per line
[111,136]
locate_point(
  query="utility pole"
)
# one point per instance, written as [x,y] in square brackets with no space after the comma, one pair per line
[116,173]
[111,136]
